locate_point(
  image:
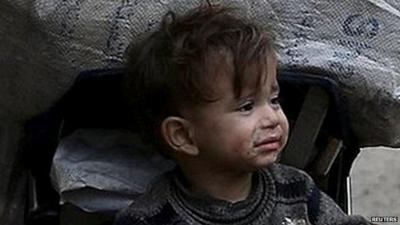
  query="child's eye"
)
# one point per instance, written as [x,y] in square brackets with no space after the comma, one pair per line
[246,107]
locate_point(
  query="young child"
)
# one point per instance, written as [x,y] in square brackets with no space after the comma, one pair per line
[205,91]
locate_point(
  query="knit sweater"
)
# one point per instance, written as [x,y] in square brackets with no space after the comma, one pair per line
[280,195]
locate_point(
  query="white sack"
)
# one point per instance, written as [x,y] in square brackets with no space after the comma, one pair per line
[45,43]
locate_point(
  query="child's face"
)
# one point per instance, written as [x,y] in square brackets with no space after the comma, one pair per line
[245,134]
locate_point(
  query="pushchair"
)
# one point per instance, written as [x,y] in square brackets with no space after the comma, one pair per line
[321,141]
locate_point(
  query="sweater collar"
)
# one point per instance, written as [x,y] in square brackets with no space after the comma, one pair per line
[208,210]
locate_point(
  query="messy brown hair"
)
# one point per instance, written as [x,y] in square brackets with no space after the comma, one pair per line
[169,70]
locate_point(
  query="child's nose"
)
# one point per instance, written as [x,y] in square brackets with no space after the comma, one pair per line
[270,117]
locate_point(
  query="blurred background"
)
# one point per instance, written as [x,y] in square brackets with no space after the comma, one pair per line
[375,182]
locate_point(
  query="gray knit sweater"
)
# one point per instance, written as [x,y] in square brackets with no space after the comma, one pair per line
[280,195]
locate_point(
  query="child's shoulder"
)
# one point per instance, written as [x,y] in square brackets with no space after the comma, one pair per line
[291,183]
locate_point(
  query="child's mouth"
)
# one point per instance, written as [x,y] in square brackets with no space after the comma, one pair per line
[268,144]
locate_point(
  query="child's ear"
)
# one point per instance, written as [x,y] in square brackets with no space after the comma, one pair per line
[178,133]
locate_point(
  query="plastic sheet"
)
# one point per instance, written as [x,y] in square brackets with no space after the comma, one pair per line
[103,170]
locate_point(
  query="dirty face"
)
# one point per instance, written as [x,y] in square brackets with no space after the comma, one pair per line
[244,133]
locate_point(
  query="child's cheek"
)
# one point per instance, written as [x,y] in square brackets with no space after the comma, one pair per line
[284,123]
[243,146]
